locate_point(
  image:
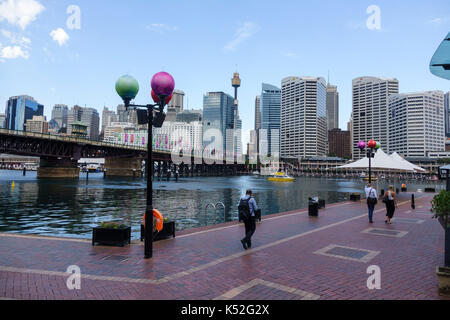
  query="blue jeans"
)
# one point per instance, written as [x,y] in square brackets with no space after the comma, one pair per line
[371,210]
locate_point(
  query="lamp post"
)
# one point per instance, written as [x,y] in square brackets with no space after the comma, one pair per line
[372,148]
[163,86]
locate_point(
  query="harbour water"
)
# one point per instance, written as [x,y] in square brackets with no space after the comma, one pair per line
[70,208]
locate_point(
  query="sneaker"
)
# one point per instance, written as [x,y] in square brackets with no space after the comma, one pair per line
[244,244]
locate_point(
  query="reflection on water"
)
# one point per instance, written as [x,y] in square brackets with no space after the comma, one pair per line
[72,207]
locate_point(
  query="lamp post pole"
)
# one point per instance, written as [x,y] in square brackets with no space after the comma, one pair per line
[148,236]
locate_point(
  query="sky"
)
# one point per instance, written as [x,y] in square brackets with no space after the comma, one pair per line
[72,52]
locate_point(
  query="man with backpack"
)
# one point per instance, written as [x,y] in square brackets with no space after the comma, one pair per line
[372,200]
[247,213]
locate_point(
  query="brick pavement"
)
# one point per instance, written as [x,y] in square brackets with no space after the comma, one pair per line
[294,257]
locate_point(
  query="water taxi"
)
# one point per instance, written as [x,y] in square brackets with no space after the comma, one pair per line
[281,177]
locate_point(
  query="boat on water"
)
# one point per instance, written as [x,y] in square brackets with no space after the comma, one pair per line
[374,179]
[281,177]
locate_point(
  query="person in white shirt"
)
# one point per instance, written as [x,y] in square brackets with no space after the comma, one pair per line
[372,200]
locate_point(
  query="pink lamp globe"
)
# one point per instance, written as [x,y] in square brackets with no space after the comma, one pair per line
[163,84]
[361,145]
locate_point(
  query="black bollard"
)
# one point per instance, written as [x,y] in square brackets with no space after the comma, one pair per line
[413,202]
[24,171]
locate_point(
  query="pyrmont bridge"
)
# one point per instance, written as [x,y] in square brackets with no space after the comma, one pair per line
[59,156]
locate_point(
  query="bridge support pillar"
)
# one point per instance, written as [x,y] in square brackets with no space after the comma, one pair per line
[58,168]
[123,167]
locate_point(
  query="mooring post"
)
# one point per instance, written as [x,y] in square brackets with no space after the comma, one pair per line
[413,202]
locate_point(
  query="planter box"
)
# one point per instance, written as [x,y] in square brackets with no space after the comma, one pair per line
[168,231]
[404,189]
[322,204]
[443,274]
[355,197]
[111,237]
[430,190]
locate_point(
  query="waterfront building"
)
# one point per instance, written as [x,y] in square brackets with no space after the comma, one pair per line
[59,114]
[114,130]
[416,123]
[370,111]
[218,117]
[177,136]
[2,121]
[339,143]
[87,116]
[108,117]
[303,117]
[19,109]
[257,113]
[332,107]
[189,116]
[447,114]
[270,106]
[37,125]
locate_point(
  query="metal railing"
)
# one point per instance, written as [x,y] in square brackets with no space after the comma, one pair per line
[215,206]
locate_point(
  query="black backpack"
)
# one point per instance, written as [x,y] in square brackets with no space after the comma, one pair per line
[244,210]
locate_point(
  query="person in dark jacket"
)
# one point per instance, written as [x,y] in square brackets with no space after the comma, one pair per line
[250,223]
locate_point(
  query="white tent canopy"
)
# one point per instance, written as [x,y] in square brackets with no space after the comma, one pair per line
[382,161]
[399,158]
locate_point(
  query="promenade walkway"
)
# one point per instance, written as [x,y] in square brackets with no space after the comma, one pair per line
[294,257]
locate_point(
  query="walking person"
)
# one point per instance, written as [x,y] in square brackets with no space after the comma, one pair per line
[247,213]
[372,200]
[390,199]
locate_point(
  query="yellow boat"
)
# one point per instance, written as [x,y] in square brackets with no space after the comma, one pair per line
[281,177]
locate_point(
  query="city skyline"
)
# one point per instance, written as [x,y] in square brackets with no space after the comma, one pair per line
[238,40]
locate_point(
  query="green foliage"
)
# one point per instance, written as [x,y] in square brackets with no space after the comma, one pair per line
[441,206]
[112,225]
[446,161]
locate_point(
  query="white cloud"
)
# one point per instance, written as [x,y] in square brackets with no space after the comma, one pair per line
[13,53]
[60,36]
[161,27]
[20,12]
[291,55]
[16,39]
[244,32]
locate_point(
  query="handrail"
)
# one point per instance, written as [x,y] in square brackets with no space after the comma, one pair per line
[224,212]
[214,206]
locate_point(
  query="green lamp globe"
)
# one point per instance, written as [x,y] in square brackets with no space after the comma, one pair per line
[378,147]
[127,87]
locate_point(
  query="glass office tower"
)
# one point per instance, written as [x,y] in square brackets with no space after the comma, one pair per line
[218,113]
[270,104]
[20,109]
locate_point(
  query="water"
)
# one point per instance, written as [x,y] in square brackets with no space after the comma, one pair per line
[70,208]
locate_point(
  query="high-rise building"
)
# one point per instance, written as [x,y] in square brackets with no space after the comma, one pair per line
[189,116]
[416,123]
[122,113]
[370,111]
[59,114]
[257,113]
[447,114]
[176,136]
[332,107]
[2,121]
[37,125]
[175,106]
[108,117]
[19,109]
[303,117]
[218,114]
[270,101]
[86,116]
[339,143]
